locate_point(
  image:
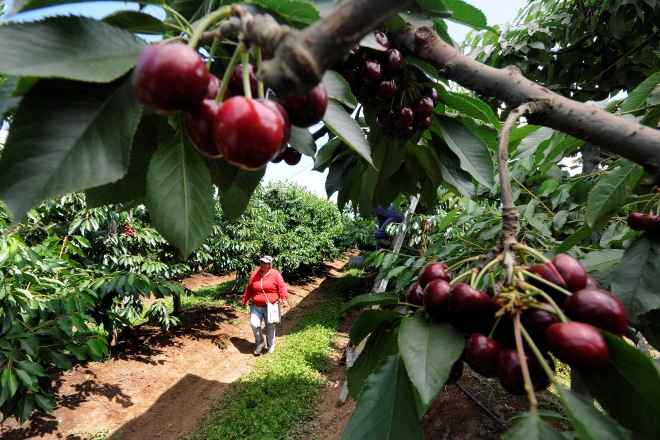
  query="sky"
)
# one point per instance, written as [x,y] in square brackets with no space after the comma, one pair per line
[497,12]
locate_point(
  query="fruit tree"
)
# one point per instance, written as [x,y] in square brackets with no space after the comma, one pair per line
[507,238]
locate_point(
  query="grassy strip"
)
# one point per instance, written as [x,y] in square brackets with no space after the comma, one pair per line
[278,398]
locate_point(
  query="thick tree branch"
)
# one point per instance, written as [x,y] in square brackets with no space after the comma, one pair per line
[300,58]
[626,138]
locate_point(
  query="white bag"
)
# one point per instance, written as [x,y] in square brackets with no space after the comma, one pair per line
[272,312]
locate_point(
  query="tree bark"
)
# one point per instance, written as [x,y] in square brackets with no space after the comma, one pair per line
[626,138]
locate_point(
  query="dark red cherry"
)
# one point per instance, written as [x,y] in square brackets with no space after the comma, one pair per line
[599,308]
[386,90]
[236,81]
[404,116]
[292,156]
[537,320]
[284,118]
[415,294]
[392,62]
[432,271]
[382,39]
[549,273]
[371,70]
[465,301]
[509,371]
[305,111]
[423,108]
[481,354]
[651,223]
[571,271]
[636,221]
[200,127]
[435,296]
[578,344]
[432,93]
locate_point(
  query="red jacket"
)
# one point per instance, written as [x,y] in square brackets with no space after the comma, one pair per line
[273,287]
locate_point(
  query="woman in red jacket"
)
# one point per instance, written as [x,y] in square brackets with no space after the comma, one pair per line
[266,284]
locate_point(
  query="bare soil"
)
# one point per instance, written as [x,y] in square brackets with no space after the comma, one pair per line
[159,385]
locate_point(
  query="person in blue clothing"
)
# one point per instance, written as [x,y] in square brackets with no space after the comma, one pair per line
[385,217]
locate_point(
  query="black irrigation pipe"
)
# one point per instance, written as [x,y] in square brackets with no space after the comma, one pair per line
[483,408]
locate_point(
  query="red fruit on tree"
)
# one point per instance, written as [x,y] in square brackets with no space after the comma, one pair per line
[537,320]
[548,273]
[386,90]
[592,283]
[284,118]
[236,81]
[248,133]
[292,156]
[598,307]
[636,221]
[571,270]
[392,62]
[481,354]
[432,93]
[382,39]
[578,344]
[651,223]
[509,371]
[371,70]
[466,301]
[435,296]
[200,127]
[423,124]
[403,116]
[423,108]
[170,78]
[414,295]
[214,88]
[305,111]
[432,271]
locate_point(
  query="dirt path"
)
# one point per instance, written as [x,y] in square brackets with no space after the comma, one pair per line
[159,384]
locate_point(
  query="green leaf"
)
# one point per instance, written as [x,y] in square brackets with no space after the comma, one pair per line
[179,195]
[577,237]
[636,100]
[386,407]
[9,381]
[531,427]
[370,299]
[429,350]
[339,89]
[234,199]
[301,139]
[294,11]
[465,13]
[611,191]
[96,348]
[589,422]
[536,138]
[635,280]
[627,387]
[32,368]
[67,137]
[473,154]
[469,106]
[369,320]
[43,49]
[132,187]
[137,22]
[452,173]
[8,102]
[344,126]
[45,401]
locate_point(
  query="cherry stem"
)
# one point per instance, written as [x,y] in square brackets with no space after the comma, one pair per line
[484,270]
[538,354]
[260,83]
[462,262]
[233,61]
[529,387]
[528,274]
[206,23]
[461,276]
[536,291]
[523,249]
[245,61]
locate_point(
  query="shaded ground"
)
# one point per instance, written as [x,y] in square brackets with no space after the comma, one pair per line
[159,384]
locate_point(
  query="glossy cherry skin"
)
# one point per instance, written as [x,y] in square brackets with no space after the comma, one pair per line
[599,308]
[432,93]
[509,371]
[284,118]
[481,354]
[636,221]
[435,296]
[578,344]
[571,271]
[248,133]
[403,116]
[536,321]
[371,70]
[236,81]
[214,88]
[386,90]
[432,271]
[548,273]
[305,111]
[392,62]
[170,78]
[423,124]
[200,127]
[465,301]
[415,294]
[592,283]
[423,108]
[292,156]
[651,223]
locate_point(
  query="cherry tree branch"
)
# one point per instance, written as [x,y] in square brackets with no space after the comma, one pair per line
[622,136]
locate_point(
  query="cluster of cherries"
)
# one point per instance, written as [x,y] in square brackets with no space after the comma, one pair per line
[638,221]
[377,77]
[128,230]
[564,322]
[172,78]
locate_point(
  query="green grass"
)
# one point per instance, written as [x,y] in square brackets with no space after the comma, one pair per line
[279,397]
